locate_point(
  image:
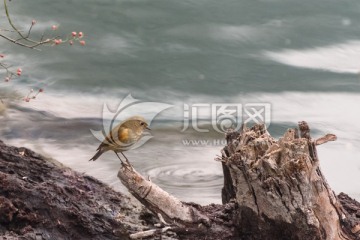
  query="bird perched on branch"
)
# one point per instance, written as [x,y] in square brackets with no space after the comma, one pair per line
[122,137]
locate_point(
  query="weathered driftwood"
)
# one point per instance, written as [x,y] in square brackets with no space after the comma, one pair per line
[187,220]
[159,201]
[149,233]
[272,190]
[279,188]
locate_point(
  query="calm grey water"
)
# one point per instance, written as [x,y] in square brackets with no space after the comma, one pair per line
[302,57]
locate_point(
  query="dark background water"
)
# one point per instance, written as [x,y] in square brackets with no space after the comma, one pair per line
[302,57]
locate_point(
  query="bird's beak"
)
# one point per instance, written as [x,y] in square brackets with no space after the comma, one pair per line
[148,128]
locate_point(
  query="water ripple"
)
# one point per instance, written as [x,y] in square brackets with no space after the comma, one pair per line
[187,175]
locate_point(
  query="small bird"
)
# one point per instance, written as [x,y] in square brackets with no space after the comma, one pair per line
[122,137]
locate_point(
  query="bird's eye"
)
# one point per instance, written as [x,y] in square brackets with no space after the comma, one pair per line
[142,123]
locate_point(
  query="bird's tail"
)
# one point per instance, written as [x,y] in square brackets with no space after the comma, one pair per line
[97,154]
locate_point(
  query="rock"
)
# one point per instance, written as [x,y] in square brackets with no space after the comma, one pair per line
[41,198]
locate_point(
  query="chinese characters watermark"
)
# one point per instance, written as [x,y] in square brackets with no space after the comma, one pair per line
[221,116]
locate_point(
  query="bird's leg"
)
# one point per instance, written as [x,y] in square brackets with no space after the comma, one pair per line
[122,163]
[127,160]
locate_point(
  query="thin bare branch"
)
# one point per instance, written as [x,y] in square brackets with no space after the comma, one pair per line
[325,139]
[14,27]
[148,233]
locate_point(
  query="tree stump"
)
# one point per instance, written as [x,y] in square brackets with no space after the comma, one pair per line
[273,189]
[279,188]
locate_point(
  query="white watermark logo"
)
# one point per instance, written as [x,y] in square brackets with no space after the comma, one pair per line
[128,107]
[257,113]
[203,142]
[202,117]
[222,116]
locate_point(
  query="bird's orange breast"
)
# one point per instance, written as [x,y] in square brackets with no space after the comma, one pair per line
[124,135]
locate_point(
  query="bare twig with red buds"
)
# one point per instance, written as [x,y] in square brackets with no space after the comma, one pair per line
[32,94]
[24,40]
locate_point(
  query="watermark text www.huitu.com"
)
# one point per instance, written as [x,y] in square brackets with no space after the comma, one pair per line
[203,142]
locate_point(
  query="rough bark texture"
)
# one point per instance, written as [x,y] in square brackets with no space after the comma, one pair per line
[352,212]
[40,199]
[155,199]
[187,220]
[279,188]
[273,190]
